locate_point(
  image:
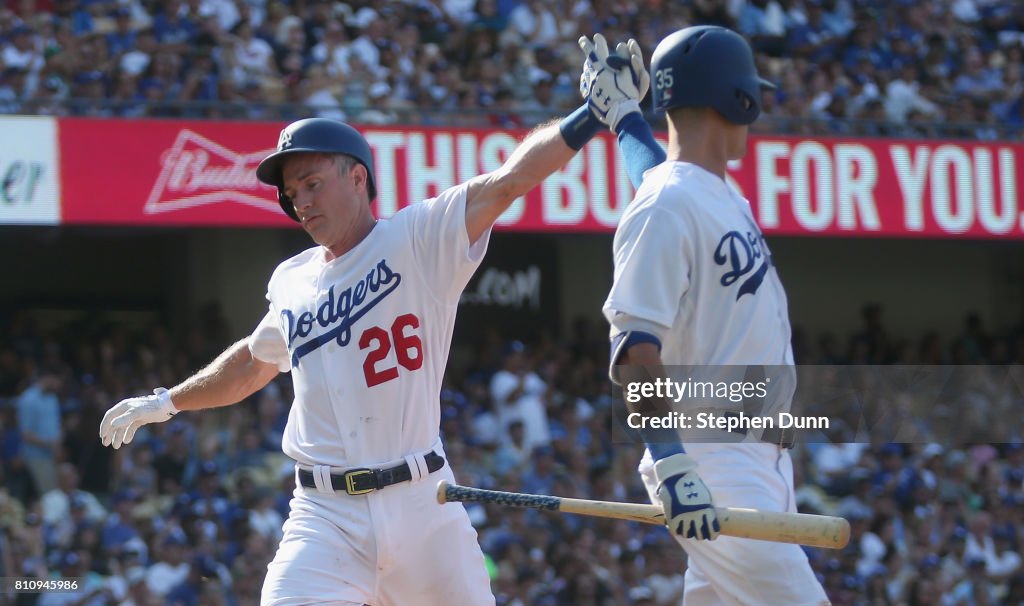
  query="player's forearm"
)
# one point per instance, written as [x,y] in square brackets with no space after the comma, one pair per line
[639,147]
[543,152]
[231,377]
[642,363]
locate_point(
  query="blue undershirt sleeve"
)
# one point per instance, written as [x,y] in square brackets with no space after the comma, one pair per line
[639,147]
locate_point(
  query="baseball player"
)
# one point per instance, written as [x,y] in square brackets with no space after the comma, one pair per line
[694,284]
[364,321]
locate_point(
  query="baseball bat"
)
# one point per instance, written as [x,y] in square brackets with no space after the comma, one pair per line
[778,526]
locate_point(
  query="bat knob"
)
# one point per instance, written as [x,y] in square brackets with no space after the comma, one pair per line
[442,491]
[843,536]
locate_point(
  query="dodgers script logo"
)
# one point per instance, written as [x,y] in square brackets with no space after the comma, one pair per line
[339,312]
[739,252]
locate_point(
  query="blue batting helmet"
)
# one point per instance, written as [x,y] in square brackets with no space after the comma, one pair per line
[708,66]
[317,135]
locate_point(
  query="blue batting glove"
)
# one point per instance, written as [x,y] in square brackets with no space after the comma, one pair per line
[689,509]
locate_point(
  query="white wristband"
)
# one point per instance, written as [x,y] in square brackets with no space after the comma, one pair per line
[165,400]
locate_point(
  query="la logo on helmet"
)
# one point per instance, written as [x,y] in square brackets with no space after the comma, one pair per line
[284,141]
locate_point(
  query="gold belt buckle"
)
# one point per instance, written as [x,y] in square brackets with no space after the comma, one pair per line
[350,485]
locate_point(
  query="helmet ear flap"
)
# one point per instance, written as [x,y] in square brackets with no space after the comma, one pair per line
[746,103]
[286,205]
[749,108]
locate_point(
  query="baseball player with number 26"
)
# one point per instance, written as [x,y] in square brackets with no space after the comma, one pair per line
[694,284]
[364,321]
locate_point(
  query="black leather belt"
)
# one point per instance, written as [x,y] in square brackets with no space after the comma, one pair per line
[365,479]
[783,438]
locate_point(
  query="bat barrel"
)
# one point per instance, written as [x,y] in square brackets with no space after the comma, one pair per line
[800,528]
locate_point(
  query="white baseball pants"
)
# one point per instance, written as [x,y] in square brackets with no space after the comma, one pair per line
[392,547]
[731,571]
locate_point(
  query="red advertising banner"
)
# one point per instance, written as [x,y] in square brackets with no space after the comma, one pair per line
[884,187]
[162,172]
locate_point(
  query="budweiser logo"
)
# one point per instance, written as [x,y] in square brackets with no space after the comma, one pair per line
[196,171]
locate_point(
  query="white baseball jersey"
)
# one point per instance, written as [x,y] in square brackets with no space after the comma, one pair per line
[367,335]
[690,259]
[692,267]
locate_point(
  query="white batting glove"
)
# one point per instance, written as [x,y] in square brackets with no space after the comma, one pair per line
[689,509]
[630,51]
[613,84]
[127,416]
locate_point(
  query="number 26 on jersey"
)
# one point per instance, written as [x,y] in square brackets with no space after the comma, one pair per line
[401,336]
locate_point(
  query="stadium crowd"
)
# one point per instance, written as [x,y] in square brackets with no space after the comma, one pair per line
[190,512]
[859,67]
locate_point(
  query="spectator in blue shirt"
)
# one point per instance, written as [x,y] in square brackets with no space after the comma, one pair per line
[81,21]
[864,47]
[123,38]
[174,31]
[977,80]
[119,527]
[39,424]
[539,477]
[10,435]
[201,586]
[814,39]
[17,479]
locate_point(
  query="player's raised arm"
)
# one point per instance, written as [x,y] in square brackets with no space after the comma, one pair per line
[543,152]
[611,84]
[623,117]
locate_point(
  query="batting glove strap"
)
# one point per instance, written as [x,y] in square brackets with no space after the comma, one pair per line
[674,465]
[620,110]
[166,404]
